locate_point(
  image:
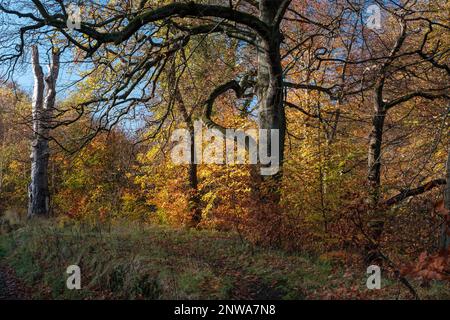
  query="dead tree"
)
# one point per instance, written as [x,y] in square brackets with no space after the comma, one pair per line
[42,112]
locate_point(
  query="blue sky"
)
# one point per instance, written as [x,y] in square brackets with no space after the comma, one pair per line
[67,75]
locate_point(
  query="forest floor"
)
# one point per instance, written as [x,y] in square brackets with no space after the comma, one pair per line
[154,262]
[11,287]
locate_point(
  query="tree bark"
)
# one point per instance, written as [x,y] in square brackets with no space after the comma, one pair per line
[374,154]
[376,221]
[194,197]
[414,192]
[270,88]
[445,236]
[42,111]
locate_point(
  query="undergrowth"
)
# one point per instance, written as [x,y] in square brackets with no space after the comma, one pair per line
[126,261]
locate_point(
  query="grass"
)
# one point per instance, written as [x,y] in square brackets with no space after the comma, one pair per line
[126,261]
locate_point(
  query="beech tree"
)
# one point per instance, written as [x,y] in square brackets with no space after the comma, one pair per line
[43,106]
[445,229]
[325,44]
[398,80]
[133,43]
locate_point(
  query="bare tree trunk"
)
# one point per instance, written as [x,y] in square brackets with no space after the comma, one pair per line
[376,222]
[1,167]
[445,236]
[42,111]
[194,197]
[2,139]
[374,154]
[270,90]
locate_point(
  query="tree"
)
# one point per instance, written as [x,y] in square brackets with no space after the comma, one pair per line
[445,236]
[131,42]
[194,201]
[321,48]
[397,80]
[15,112]
[42,111]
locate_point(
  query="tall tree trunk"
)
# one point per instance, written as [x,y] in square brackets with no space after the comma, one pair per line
[270,90]
[374,155]
[2,146]
[194,197]
[42,111]
[376,222]
[445,236]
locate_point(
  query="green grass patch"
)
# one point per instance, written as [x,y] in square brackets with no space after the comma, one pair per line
[126,261]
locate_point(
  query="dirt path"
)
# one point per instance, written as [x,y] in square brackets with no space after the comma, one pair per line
[11,288]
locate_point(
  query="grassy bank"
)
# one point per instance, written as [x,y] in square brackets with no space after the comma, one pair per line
[135,262]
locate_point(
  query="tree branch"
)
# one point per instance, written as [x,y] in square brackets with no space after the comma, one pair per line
[328,91]
[415,94]
[187,9]
[414,192]
[207,110]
